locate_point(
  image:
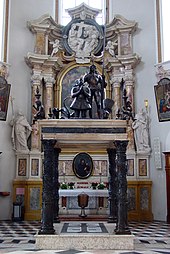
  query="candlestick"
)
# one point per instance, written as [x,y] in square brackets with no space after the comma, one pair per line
[146,104]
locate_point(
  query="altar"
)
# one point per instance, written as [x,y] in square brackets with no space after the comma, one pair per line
[98,202]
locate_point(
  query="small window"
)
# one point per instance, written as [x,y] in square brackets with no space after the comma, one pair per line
[64,17]
[164,29]
[3,28]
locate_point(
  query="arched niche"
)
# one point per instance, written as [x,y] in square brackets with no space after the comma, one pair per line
[68,76]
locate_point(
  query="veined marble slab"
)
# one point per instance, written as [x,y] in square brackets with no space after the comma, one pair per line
[76,192]
[71,133]
[85,241]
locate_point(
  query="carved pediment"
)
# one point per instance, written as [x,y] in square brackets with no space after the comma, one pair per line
[83,12]
[120,24]
[45,24]
[45,21]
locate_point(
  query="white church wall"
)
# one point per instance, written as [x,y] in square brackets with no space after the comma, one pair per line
[144,44]
[21,41]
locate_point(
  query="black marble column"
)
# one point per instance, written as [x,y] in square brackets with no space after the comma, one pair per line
[56,152]
[112,185]
[48,190]
[122,223]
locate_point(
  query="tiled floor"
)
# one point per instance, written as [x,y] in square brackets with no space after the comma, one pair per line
[18,238]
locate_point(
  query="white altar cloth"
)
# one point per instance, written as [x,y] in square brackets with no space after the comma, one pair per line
[90,192]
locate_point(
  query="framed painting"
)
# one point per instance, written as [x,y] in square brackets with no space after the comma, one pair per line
[34,167]
[130,169]
[143,167]
[162,94]
[4,98]
[83,165]
[22,167]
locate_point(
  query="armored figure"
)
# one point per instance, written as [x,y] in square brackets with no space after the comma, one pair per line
[81,94]
[95,84]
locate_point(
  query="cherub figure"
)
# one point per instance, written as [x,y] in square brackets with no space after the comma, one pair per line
[56,46]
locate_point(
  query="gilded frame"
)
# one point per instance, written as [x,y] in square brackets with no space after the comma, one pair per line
[22,167]
[162,95]
[143,167]
[4,98]
[83,165]
[35,167]
[130,167]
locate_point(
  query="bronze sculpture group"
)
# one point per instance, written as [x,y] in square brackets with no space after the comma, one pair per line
[88,99]
[87,94]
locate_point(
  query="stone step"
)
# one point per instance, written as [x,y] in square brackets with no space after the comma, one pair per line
[84,236]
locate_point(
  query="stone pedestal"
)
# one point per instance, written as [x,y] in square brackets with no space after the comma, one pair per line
[85,241]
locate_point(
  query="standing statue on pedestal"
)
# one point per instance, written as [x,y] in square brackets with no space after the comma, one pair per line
[20,132]
[95,84]
[141,132]
[81,94]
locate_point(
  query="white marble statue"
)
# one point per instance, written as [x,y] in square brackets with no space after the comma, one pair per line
[72,37]
[83,38]
[56,45]
[110,47]
[141,132]
[21,130]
